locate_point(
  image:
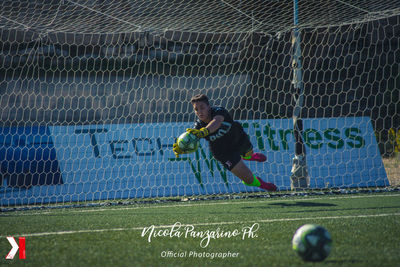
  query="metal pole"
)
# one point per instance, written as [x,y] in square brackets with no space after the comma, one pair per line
[299,179]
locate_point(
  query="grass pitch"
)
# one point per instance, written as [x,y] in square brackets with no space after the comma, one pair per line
[249,232]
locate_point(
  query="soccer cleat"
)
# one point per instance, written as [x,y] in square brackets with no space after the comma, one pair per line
[266,186]
[259,157]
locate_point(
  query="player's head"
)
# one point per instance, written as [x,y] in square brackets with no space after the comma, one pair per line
[201,106]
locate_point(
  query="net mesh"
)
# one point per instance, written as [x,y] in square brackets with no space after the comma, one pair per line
[194,16]
[93,94]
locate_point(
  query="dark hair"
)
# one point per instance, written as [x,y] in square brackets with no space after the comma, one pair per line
[199,98]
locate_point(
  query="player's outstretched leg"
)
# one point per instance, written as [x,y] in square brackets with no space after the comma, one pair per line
[257,181]
[265,185]
[250,156]
[248,178]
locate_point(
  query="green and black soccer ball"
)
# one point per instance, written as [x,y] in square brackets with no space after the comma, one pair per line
[188,142]
[312,242]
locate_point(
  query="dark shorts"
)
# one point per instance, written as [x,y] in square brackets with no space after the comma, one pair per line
[230,155]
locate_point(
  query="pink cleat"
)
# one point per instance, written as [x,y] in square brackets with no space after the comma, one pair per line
[257,157]
[267,186]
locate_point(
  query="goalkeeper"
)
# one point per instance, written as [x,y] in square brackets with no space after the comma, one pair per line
[228,142]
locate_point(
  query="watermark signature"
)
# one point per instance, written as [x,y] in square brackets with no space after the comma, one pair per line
[179,230]
[198,254]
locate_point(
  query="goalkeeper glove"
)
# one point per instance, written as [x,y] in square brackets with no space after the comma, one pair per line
[203,132]
[177,150]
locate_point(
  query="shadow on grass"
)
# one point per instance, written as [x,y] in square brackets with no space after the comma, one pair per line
[344,262]
[303,204]
[328,206]
[297,204]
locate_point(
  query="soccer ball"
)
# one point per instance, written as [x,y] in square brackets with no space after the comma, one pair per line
[312,242]
[188,142]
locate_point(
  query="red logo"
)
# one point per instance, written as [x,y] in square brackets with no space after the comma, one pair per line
[15,248]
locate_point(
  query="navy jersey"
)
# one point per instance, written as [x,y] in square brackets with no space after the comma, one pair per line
[228,138]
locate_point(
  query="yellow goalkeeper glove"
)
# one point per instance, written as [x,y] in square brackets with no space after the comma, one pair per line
[177,150]
[203,132]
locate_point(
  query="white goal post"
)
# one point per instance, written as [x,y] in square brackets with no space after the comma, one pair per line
[93,94]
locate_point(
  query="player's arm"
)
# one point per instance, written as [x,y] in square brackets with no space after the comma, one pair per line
[215,123]
[211,127]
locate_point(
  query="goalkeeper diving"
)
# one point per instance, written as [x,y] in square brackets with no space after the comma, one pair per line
[228,141]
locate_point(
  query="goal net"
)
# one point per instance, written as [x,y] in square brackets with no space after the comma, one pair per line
[94,93]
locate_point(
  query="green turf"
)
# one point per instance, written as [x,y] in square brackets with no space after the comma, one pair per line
[365,230]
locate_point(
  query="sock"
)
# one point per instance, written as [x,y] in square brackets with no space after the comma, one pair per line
[248,155]
[255,182]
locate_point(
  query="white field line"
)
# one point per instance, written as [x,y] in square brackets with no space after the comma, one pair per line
[183,204]
[204,224]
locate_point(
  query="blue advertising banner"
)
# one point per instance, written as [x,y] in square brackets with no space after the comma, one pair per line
[27,160]
[93,162]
